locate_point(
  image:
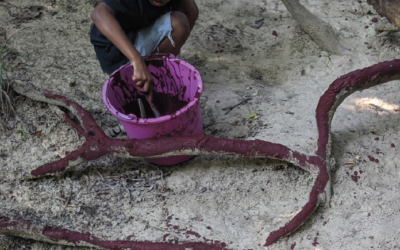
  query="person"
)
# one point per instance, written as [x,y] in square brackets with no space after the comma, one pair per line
[126,30]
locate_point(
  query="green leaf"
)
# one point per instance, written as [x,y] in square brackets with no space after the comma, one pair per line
[15,52]
[22,133]
[253,115]
[10,103]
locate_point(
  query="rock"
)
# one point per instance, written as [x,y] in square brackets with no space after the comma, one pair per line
[11,124]
[110,132]
[117,130]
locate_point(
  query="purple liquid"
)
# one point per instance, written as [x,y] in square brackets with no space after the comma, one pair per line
[166,105]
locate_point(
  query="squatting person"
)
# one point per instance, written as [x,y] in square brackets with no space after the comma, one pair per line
[126,30]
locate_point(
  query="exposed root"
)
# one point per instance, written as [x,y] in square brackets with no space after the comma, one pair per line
[98,144]
[319,31]
[29,230]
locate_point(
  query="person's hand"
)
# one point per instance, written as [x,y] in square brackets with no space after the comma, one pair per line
[104,18]
[142,78]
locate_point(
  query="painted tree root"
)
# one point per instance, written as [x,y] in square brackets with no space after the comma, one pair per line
[98,145]
[47,234]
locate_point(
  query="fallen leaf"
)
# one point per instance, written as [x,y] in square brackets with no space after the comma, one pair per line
[38,133]
[258,24]
[30,13]
[253,115]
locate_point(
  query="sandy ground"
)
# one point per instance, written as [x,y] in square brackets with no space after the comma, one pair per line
[209,199]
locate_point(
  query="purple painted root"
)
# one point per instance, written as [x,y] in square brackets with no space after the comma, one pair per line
[341,88]
[344,86]
[55,235]
[98,145]
[329,101]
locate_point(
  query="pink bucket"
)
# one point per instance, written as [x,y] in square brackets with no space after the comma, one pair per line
[177,90]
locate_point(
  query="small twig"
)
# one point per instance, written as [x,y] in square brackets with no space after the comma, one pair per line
[153,107]
[60,199]
[100,175]
[79,206]
[102,192]
[148,225]
[155,178]
[230,108]
[135,179]
[69,198]
[162,177]
[123,182]
[87,180]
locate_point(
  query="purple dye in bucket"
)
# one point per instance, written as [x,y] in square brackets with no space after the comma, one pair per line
[165,104]
[177,90]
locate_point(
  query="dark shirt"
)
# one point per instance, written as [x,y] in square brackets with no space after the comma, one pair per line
[131,15]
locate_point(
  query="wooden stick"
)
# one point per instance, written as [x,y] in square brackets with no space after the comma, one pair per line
[141,107]
[153,107]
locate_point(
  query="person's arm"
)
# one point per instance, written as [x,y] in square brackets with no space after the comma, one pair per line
[103,17]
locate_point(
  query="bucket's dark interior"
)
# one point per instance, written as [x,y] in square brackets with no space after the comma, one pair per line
[173,89]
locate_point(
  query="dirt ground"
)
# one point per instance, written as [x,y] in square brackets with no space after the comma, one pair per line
[219,199]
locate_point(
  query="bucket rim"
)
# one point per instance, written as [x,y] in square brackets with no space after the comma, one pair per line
[133,118]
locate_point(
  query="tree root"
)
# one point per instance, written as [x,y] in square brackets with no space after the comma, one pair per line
[98,145]
[319,31]
[27,229]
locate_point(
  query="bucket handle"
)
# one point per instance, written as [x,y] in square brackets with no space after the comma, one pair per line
[128,117]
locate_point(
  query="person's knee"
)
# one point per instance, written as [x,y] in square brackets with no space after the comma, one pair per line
[180,24]
[195,13]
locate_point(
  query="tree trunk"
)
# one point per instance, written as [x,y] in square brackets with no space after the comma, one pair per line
[387,8]
[319,31]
